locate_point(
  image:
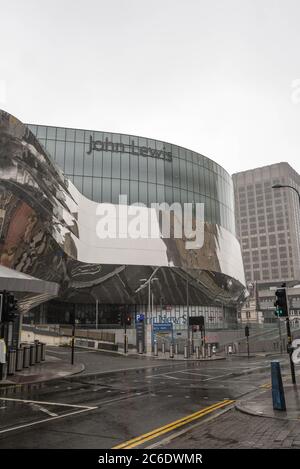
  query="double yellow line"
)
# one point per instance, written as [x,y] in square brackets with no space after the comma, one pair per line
[139,440]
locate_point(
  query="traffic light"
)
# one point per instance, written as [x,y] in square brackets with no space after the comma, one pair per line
[120,315]
[127,320]
[197,321]
[281,303]
[9,307]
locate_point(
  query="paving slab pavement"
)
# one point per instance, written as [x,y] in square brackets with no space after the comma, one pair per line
[261,405]
[52,368]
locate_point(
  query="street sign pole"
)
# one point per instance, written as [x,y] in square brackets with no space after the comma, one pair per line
[280,336]
[73,343]
[247,338]
[282,309]
[290,350]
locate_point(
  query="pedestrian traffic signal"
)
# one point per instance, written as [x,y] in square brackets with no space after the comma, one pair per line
[281,303]
[9,307]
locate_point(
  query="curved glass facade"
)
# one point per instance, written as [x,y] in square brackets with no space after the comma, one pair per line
[104,165]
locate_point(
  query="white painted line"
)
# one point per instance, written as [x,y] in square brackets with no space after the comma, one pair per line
[47,403]
[192,373]
[45,420]
[42,409]
[217,377]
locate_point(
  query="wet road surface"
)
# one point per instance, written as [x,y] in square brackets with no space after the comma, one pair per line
[103,409]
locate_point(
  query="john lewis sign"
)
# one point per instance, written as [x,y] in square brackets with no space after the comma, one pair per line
[133,148]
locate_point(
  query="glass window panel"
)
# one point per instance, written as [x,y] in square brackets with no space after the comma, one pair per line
[125,139]
[116,165]
[143,193]
[106,190]
[60,154]
[176,172]
[51,133]
[69,158]
[42,141]
[169,195]
[222,215]
[134,192]
[219,188]
[125,189]
[182,153]
[106,164]
[98,136]
[33,128]
[87,135]
[134,167]
[213,180]
[160,168]
[176,194]
[189,170]
[160,193]
[108,136]
[60,133]
[195,158]
[115,190]
[88,164]
[151,193]
[78,164]
[143,166]
[196,180]
[207,181]
[98,156]
[41,131]
[97,184]
[217,213]
[124,166]
[151,170]
[168,173]
[183,183]
[78,182]
[213,211]
[115,138]
[191,197]
[50,147]
[159,145]
[175,151]
[189,155]
[207,210]
[87,187]
[79,136]
[183,196]
[70,135]
[143,142]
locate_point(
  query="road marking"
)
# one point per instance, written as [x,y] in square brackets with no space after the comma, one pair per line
[192,373]
[137,441]
[174,435]
[217,377]
[47,403]
[46,411]
[266,386]
[46,420]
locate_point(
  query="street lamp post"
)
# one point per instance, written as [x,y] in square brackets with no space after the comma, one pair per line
[280,186]
[288,328]
[149,281]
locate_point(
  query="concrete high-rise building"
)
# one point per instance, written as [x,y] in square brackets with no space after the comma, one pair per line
[268,224]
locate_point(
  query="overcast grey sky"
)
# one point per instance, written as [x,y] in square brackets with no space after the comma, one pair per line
[216,76]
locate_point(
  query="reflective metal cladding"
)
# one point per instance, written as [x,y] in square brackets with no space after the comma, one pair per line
[48,227]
